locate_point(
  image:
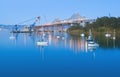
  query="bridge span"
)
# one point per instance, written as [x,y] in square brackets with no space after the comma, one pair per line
[63,25]
[56,25]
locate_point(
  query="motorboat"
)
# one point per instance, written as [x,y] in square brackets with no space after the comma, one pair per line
[82,35]
[107,35]
[114,38]
[58,36]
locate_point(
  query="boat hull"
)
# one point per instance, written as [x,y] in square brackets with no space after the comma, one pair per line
[42,43]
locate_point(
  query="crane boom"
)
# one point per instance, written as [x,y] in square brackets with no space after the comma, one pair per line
[32,25]
[17,26]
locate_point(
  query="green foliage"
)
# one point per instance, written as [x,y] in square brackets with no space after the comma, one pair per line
[75,27]
[110,22]
[100,25]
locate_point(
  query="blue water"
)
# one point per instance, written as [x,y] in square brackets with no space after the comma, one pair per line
[68,57]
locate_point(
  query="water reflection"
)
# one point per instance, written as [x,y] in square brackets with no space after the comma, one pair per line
[14,37]
[76,44]
[42,40]
[71,54]
[73,43]
[42,50]
[113,43]
[25,39]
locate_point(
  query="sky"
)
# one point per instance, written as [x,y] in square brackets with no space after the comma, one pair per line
[15,11]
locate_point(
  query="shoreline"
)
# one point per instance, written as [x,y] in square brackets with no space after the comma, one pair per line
[78,32]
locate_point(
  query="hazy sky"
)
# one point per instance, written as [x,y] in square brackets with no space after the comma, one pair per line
[15,11]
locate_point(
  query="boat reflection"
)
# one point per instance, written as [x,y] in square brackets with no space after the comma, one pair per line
[76,44]
[42,40]
[13,36]
[42,51]
[92,45]
[92,48]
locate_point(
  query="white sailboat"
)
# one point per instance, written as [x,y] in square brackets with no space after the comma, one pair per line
[42,41]
[12,37]
[90,38]
[92,45]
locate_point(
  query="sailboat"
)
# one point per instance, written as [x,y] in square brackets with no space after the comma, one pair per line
[90,38]
[42,41]
[12,37]
[91,43]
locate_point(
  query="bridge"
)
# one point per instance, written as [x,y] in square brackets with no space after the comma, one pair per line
[56,25]
[63,25]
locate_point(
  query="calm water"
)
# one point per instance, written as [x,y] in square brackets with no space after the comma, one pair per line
[67,56]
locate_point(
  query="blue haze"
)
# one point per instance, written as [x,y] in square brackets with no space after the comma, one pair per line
[15,11]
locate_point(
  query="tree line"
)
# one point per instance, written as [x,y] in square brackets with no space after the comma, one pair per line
[101,23]
[107,22]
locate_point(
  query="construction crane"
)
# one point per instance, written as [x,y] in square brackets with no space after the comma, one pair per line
[16,27]
[32,25]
